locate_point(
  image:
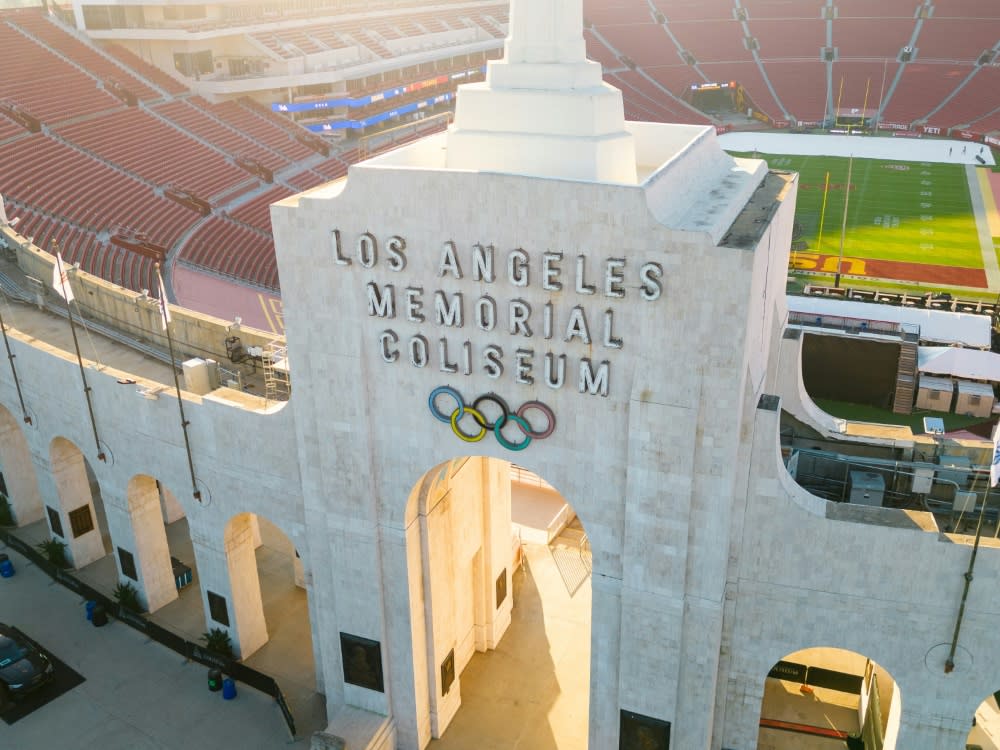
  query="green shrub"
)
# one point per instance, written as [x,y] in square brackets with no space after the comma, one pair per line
[217,641]
[127,597]
[54,551]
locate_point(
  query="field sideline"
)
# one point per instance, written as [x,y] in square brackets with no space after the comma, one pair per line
[912,223]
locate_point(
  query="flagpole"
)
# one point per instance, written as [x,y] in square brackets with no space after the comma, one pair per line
[13,370]
[949,664]
[165,319]
[67,295]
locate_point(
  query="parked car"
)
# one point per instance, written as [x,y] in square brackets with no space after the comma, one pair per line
[23,668]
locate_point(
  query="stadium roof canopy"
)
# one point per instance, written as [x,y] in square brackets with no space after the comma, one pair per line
[960,363]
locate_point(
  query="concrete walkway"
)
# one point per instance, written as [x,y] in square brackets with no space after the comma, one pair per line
[532,692]
[138,695]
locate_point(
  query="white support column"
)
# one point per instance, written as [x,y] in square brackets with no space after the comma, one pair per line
[246,605]
[149,548]
[74,492]
[19,474]
[497,550]
[255,531]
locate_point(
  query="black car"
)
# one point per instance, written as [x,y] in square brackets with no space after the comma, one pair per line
[23,667]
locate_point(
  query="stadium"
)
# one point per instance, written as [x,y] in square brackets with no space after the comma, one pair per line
[612,246]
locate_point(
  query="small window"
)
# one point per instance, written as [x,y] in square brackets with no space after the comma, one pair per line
[81,521]
[935,395]
[974,400]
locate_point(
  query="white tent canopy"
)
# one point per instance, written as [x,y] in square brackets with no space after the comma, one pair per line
[971,364]
[937,326]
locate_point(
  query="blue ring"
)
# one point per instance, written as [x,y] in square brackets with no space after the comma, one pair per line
[441,417]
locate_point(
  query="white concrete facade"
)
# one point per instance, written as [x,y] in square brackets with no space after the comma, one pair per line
[648,316]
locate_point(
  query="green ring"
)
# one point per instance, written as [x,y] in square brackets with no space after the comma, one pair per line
[525,428]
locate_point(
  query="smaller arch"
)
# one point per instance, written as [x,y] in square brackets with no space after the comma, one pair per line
[831,693]
[18,481]
[985,731]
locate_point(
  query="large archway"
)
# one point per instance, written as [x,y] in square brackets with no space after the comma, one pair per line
[501,600]
[270,607]
[824,698]
[18,481]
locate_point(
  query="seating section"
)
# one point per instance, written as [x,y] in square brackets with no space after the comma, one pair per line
[778,51]
[149,72]
[974,101]
[957,39]
[256,212]
[42,84]
[101,166]
[82,55]
[73,187]
[125,138]
[256,126]
[921,88]
[199,122]
[374,32]
[234,250]
[110,262]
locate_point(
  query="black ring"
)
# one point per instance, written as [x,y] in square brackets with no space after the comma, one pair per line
[496,400]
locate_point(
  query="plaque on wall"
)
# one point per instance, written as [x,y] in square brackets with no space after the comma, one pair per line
[447,672]
[55,523]
[640,732]
[501,587]
[362,659]
[127,561]
[217,608]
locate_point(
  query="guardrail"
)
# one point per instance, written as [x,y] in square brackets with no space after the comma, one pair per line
[192,651]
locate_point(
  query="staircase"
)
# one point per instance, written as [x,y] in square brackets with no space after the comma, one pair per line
[906,376]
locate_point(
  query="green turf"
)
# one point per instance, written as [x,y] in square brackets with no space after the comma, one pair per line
[902,211]
[915,421]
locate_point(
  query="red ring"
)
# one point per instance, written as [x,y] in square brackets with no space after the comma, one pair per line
[538,405]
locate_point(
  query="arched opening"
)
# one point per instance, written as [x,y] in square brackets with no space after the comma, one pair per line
[156,555]
[80,522]
[270,606]
[503,598]
[985,732]
[820,698]
[18,483]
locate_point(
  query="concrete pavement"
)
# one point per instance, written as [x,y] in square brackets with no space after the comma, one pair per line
[138,695]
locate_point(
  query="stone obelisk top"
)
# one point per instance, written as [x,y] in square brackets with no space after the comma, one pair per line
[545,32]
[544,109]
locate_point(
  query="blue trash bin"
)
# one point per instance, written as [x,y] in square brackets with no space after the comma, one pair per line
[6,567]
[229,688]
[90,610]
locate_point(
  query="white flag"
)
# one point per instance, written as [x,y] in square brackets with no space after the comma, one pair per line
[3,213]
[60,280]
[995,464]
[164,307]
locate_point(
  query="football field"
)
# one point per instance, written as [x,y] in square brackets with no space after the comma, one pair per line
[909,223]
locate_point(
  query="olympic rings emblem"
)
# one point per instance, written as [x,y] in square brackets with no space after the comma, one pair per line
[496,424]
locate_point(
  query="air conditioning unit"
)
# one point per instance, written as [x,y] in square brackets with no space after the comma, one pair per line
[965,502]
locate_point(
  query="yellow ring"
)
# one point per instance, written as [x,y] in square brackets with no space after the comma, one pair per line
[464,436]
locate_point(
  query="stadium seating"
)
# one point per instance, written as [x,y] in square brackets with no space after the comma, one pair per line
[150,72]
[234,250]
[920,89]
[124,139]
[43,84]
[256,212]
[223,136]
[956,39]
[973,101]
[83,56]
